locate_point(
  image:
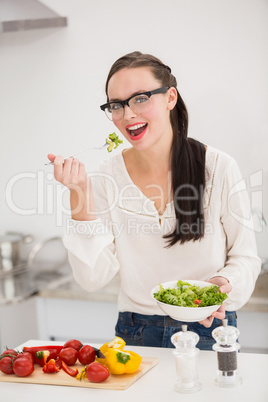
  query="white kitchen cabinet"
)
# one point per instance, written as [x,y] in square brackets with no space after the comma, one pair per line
[18,323]
[63,319]
[94,322]
[253,327]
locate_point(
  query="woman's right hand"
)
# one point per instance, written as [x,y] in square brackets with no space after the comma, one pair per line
[72,174]
[69,172]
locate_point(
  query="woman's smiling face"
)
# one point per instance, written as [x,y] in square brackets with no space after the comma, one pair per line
[145,129]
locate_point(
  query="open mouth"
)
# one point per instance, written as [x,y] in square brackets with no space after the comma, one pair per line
[137,129]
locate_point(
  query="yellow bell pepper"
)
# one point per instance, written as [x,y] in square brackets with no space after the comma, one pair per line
[117,343]
[82,374]
[121,361]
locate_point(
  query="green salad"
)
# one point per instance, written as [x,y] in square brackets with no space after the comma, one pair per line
[113,141]
[187,295]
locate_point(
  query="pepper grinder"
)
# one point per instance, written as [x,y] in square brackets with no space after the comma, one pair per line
[226,347]
[186,355]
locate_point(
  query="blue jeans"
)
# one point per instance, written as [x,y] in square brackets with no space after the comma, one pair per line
[156,330]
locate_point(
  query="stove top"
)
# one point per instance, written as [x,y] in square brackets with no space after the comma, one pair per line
[14,288]
[26,282]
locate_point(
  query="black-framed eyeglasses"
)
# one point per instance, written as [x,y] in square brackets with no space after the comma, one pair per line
[138,103]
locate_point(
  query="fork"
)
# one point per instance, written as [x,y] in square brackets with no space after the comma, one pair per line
[83,150]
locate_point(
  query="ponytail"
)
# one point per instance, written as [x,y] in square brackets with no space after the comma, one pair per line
[188,181]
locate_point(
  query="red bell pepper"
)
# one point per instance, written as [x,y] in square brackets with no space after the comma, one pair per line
[53,349]
[72,372]
[41,357]
[52,366]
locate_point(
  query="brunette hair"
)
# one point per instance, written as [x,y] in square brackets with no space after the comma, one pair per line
[187,155]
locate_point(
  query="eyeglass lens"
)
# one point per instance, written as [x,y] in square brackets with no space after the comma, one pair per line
[138,104]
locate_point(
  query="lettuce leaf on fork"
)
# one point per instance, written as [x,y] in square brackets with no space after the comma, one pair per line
[113,141]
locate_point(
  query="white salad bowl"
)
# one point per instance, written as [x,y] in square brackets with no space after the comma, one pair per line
[185,314]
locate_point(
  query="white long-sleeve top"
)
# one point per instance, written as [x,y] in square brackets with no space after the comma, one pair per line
[127,237]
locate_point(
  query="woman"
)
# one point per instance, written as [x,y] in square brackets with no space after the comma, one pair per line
[158,211]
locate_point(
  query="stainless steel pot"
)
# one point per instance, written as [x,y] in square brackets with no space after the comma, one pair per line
[48,255]
[11,250]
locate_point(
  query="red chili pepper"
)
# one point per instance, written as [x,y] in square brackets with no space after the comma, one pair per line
[69,370]
[52,366]
[197,301]
[53,349]
[41,357]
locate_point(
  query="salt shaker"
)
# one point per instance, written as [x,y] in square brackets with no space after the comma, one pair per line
[226,347]
[186,355]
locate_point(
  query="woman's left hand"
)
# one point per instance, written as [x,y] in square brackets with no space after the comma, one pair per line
[224,287]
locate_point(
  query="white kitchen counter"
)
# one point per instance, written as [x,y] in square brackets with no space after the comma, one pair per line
[69,289]
[157,384]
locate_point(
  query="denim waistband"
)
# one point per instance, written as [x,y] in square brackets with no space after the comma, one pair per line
[159,320]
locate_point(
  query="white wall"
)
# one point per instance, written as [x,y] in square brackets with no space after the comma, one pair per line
[52,83]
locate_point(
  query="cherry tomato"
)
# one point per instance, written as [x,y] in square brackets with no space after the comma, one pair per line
[6,364]
[22,367]
[68,356]
[28,356]
[86,354]
[97,372]
[10,352]
[73,343]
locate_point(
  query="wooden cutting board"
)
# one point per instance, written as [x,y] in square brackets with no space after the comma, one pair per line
[119,382]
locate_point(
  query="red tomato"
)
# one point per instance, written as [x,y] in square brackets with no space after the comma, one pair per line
[68,356]
[6,365]
[23,367]
[86,354]
[73,343]
[10,352]
[28,356]
[97,372]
